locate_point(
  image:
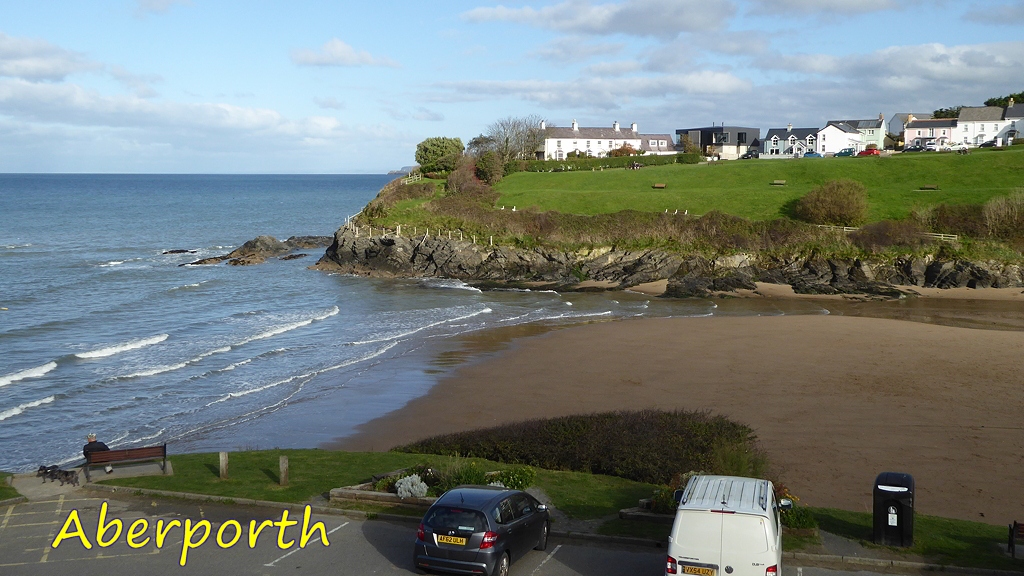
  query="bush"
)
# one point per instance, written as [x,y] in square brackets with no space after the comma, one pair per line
[438,154]
[881,235]
[489,168]
[646,446]
[739,459]
[966,219]
[1004,216]
[463,181]
[457,472]
[838,202]
[798,518]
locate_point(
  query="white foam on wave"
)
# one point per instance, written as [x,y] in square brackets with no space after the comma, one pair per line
[30,373]
[19,409]
[290,326]
[123,347]
[420,329]
[449,284]
[16,246]
[187,286]
[172,367]
[145,438]
[303,377]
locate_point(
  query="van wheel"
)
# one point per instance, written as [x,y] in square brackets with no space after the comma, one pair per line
[543,544]
[501,568]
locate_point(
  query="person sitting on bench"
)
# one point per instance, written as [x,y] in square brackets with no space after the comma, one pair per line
[95,446]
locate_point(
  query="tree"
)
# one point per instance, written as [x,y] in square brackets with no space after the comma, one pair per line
[1004,101]
[489,168]
[688,146]
[438,154]
[516,138]
[479,145]
[952,112]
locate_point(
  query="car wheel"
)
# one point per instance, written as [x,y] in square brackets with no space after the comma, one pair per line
[501,568]
[543,543]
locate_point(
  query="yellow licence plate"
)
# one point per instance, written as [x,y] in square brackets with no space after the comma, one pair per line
[698,570]
[451,540]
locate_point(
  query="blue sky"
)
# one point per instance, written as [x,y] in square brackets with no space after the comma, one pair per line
[209,86]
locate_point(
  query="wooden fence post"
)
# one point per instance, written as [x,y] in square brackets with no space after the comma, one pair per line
[284,470]
[223,465]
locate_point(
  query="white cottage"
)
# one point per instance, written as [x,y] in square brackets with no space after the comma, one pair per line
[560,143]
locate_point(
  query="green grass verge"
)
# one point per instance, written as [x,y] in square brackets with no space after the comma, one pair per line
[938,540]
[587,496]
[5,490]
[742,188]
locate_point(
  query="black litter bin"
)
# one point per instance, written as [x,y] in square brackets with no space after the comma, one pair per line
[894,509]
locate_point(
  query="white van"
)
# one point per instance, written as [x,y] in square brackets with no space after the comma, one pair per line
[726,526]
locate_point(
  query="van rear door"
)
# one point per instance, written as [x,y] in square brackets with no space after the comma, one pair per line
[745,545]
[697,535]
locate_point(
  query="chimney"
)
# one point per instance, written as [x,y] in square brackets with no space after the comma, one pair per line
[789,127]
[1010,103]
[543,125]
[881,117]
[575,126]
[634,126]
[615,125]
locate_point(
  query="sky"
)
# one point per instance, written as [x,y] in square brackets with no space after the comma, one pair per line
[209,86]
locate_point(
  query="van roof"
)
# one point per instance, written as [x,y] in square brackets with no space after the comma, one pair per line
[746,495]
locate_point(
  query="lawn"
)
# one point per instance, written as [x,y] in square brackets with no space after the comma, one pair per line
[5,490]
[742,187]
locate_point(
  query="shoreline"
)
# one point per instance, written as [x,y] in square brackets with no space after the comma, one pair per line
[811,386]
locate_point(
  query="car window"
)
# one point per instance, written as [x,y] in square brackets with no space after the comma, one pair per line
[522,506]
[507,514]
[461,519]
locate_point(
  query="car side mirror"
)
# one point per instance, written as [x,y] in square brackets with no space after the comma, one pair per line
[542,507]
[786,504]
[677,496]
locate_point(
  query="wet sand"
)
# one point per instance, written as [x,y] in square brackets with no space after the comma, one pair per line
[835,400]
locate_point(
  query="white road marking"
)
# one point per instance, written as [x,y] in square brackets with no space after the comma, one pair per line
[545,561]
[49,537]
[271,565]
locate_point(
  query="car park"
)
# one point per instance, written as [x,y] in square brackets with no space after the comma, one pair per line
[847,152]
[726,525]
[480,530]
[812,155]
[869,152]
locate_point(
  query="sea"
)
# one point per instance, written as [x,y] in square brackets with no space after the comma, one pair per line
[103,331]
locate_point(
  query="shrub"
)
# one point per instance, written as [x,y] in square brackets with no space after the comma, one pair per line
[730,458]
[513,166]
[438,153]
[645,445]
[411,487]
[457,472]
[881,235]
[798,518]
[1004,216]
[517,477]
[463,180]
[489,168]
[967,219]
[838,202]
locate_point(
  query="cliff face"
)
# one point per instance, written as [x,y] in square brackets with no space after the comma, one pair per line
[398,256]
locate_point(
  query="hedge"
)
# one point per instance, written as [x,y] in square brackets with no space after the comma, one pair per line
[608,162]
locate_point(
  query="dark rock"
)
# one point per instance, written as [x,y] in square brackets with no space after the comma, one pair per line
[294,256]
[179,251]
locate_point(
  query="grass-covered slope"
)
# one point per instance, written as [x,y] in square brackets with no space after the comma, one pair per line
[742,188]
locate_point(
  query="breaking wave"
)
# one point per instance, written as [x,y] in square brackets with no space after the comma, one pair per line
[30,373]
[19,409]
[123,347]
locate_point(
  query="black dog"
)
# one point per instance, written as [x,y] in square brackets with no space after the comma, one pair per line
[67,476]
[48,472]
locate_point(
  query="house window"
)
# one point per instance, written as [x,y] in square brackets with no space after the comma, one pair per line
[652,142]
[662,143]
[918,132]
[598,142]
[981,128]
[965,127]
[741,137]
[775,140]
[792,140]
[558,144]
[931,132]
[822,137]
[871,132]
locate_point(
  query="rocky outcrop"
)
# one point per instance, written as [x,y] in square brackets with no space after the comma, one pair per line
[694,276]
[257,250]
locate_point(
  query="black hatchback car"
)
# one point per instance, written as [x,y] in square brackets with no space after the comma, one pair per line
[480,530]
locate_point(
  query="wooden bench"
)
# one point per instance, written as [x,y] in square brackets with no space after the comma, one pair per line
[658,186]
[1016,536]
[126,455]
[929,187]
[778,183]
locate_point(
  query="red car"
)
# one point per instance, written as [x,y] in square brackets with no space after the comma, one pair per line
[869,152]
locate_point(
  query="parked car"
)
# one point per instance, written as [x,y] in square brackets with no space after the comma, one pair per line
[956,147]
[914,149]
[930,146]
[869,152]
[750,154]
[812,155]
[847,152]
[480,529]
[989,144]
[726,525]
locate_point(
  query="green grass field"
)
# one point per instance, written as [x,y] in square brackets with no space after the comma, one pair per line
[5,490]
[742,187]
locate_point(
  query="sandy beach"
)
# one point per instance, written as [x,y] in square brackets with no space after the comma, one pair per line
[835,400]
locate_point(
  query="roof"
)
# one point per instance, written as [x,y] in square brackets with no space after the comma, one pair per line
[592,133]
[861,124]
[1015,111]
[749,495]
[784,133]
[904,116]
[472,496]
[933,123]
[715,129]
[981,113]
[646,138]
[844,127]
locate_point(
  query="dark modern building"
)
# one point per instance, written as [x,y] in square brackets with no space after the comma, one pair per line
[729,142]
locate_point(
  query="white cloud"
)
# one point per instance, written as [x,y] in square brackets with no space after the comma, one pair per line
[334,52]
[660,18]
[423,114]
[32,59]
[572,49]
[329,103]
[1008,14]
[144,7]
[826,6]
[612,69]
